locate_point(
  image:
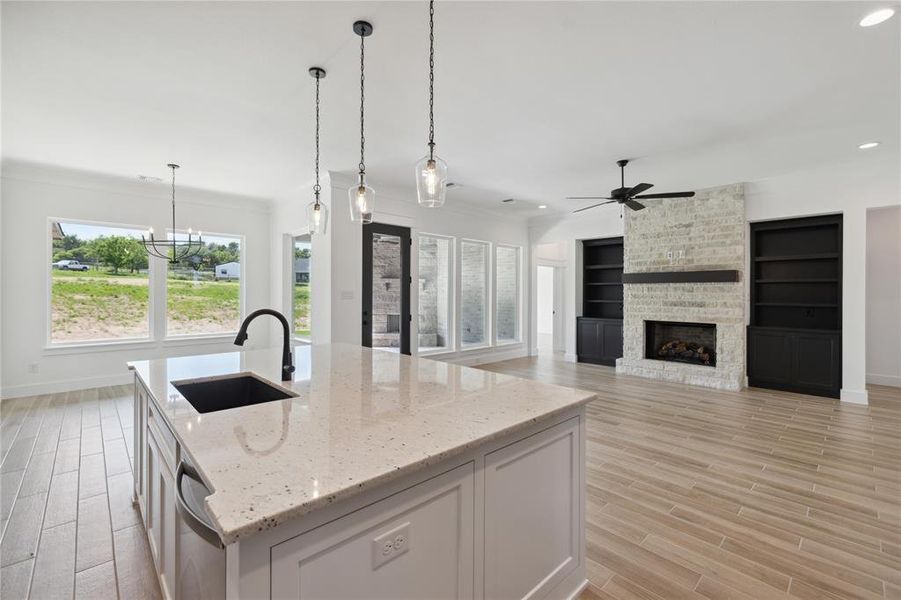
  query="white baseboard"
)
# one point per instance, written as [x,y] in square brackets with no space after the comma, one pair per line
[854,396]
[66,385]
[876,379]
[570,357]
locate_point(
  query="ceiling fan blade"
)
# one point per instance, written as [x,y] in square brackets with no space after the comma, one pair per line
[641,187]
[589,198]
[668,195]
[594,206]
[634,205]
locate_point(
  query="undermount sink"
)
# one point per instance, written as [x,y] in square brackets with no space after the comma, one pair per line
[223,393]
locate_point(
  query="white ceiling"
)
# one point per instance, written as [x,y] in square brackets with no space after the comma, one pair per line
[535,100]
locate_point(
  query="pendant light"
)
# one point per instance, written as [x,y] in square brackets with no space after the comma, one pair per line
[431,171]
[173,250]
[362,197]
[317,213]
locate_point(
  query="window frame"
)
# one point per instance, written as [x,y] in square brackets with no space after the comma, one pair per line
[112,343]
[488,337]
[292,283]
[451,294]
[517,314]
[174,338]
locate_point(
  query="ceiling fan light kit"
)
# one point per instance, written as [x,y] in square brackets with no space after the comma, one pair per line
[628,196]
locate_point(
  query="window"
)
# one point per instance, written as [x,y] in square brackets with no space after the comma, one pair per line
[474,267]
[506,277]
[435,303]
[99,285]
[301,276]
[204,292]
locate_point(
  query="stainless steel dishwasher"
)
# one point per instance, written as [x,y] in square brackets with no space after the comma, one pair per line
[200,572]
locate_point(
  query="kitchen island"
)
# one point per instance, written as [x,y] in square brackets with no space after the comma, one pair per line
[379,476]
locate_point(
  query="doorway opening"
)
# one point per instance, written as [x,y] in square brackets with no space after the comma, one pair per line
[549,310]
[386,287]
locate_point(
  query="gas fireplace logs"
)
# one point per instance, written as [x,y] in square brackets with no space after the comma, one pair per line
[686,351]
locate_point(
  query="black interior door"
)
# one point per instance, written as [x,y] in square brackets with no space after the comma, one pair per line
[386,287]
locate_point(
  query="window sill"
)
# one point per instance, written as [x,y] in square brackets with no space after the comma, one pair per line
[98,346]
[189,340]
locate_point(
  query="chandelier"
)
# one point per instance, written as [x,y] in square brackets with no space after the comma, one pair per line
[173,250]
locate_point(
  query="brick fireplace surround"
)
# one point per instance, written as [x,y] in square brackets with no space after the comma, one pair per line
[706,232]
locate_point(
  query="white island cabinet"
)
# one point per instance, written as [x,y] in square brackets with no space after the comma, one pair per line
[379,476]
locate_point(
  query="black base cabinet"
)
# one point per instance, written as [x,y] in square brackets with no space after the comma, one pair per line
[795,360]
[599,341]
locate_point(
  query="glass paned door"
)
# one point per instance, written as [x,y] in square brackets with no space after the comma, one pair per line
[386,287]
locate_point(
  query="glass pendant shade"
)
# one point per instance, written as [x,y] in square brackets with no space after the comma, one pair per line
[362,201]
[431,181]
[317,217]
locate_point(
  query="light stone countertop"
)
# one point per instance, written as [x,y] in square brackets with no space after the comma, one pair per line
[361,418]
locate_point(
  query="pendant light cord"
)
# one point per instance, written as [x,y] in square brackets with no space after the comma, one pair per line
[431,79]
[317,188]
[362,113]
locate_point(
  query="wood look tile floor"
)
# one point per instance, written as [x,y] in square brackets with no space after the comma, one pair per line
[692,493]
[697,493]
[68,524]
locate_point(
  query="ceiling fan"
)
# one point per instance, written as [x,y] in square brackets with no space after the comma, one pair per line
[628,196]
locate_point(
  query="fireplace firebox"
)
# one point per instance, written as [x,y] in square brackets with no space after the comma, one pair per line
[693,343]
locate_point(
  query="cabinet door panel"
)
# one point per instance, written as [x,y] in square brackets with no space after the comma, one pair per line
[589,341]
[139,426]
[532,513]
[152,492]
[167,542]
[339,560]
[612,337]
[769,356]
[816,361]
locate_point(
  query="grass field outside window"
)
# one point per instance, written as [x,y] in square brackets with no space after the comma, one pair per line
[203,294]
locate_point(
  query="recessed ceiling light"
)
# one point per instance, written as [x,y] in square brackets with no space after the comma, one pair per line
[868,145]
[542,206]
[877,17]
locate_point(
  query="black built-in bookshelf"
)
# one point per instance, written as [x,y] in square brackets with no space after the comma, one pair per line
[794,339]
[600,328]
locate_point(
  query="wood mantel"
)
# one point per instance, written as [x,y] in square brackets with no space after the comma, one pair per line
[717,276]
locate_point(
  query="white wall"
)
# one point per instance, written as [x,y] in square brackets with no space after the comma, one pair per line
[557,239]
[30,195]
[865,181]
[884,296]
[340,253]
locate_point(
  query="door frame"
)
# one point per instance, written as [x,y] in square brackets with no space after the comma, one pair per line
[558,336]
[405,282]
[559,343]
